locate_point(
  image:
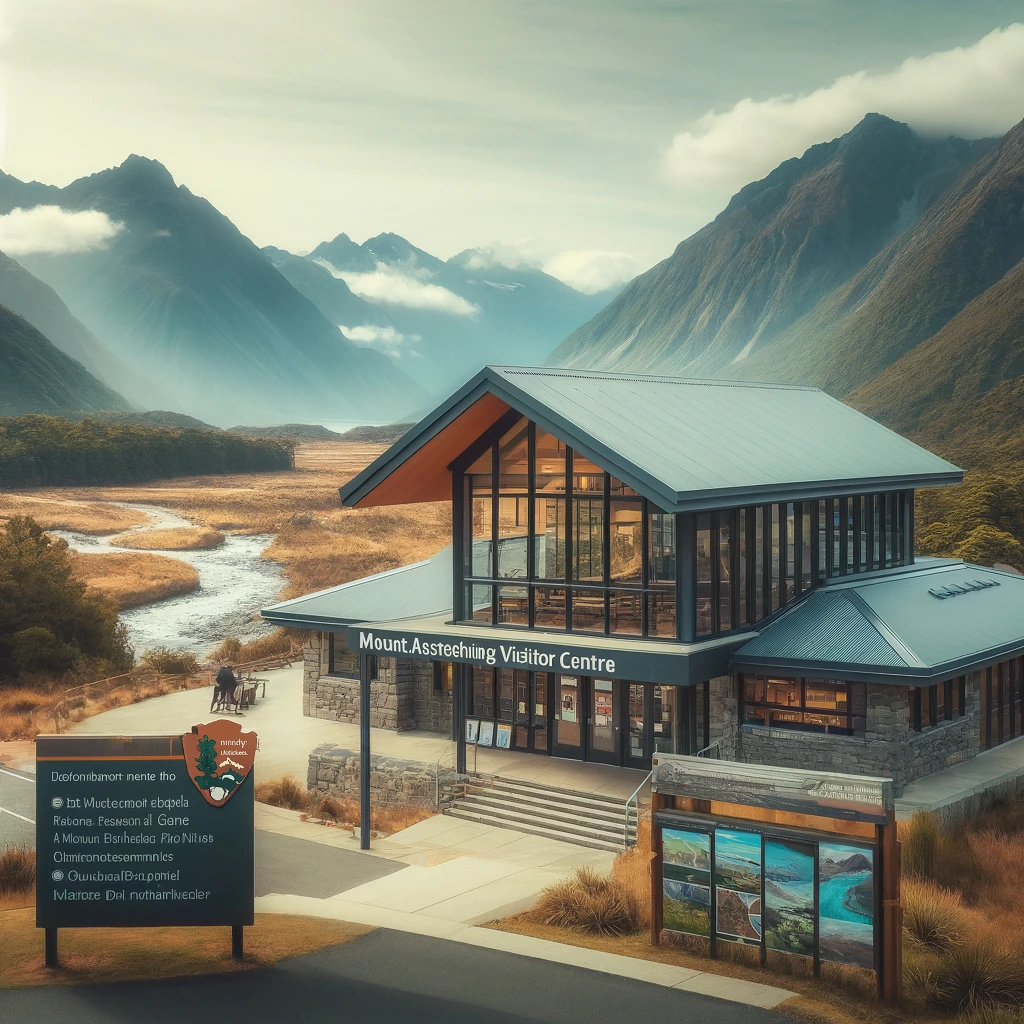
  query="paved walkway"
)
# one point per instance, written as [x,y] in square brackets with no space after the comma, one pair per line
[959,789]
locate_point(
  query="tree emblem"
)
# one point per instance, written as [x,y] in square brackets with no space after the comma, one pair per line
[218,775]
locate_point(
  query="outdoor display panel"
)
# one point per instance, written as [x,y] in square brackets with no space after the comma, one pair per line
[789,897]
[145,831]
[738,899]
[846,902]
[686,881]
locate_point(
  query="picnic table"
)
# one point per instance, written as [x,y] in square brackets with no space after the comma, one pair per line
[242,697]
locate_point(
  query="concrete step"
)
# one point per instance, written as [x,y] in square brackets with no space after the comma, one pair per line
[499,802]
[552,801]
[593,843]
[522,786]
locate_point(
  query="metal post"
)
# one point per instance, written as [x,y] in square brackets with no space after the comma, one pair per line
[51,957]
[460,690]
[364,751]
[236,941]
[686,576]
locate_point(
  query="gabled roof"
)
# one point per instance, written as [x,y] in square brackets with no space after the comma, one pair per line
[936,621]
[418,589]
[684,444]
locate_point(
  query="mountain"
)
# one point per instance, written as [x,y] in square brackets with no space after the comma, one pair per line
[782,246]
[42,307]
[37,377]
[182,297]
[442,319]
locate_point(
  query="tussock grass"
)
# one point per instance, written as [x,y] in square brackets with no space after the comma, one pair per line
[196,538]
[920,843]
[591,902]
[17,869]
[934,915]
[233,652]
[81,516]
[131,579]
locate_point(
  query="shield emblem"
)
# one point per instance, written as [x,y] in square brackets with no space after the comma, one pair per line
[219,758]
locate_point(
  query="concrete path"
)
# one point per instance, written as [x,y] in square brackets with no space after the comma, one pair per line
[388,977]
[957,789]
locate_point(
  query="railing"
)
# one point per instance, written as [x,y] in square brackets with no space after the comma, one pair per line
[713,751]
[635,801]
[76,696]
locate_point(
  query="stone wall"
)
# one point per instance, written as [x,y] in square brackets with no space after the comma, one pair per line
[402,692]
[394,781]
[888,748]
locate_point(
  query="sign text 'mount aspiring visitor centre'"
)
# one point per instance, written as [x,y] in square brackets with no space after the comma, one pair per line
[506,655]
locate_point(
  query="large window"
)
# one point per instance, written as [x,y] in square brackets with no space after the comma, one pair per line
[343,662]
[552,541]
[1001,689]
[932,705]
[807,705]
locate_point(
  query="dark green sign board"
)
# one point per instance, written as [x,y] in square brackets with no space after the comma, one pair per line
[124,837]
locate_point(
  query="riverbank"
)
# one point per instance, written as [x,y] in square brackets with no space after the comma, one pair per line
[314,541]
[132,579]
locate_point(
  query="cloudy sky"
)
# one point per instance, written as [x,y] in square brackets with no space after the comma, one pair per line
[588,136]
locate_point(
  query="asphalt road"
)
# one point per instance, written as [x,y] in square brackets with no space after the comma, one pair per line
[17,808]
[384,978]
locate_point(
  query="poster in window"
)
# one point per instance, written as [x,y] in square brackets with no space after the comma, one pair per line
[738,886]
[789,897]
[486,735]
[686,881]
[846,904]
[503,740]
[472,729]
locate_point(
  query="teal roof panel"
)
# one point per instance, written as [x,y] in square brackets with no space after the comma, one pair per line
[693,444]
[936,621]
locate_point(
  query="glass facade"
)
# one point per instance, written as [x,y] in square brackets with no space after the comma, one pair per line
[1000,699]
[551,541]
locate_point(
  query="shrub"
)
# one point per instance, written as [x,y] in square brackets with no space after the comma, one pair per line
[973,974]
[993,1014]
[163,659]
[17,869]
[932,914]
[920,842]
[589,902]
[284,792]
[228,651]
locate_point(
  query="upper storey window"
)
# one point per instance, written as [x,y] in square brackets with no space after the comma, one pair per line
[552,541]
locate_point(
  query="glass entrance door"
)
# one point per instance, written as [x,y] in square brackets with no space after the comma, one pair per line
[531,712]
[638,700]
[604,729]
[569,717]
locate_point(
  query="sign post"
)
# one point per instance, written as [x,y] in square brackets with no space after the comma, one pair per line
[145,831]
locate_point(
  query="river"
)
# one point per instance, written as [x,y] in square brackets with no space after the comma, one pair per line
[234,584]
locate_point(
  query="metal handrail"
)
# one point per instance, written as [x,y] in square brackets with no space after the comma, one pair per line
[716,746]
[634,799]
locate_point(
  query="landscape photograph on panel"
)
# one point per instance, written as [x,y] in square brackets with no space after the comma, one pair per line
[686,881]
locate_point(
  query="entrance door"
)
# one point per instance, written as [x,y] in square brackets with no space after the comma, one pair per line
[604,728]
[530,731]
[569,717]
[639,716]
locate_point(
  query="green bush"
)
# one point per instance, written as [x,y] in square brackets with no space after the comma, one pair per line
[179,663]
[49,622]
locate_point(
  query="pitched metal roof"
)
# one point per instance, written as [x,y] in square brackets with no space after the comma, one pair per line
[940,620]
[418,589]
[685,444]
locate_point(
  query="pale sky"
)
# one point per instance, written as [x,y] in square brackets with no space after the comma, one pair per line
[555,129]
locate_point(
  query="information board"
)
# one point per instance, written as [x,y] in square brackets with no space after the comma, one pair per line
[130,832]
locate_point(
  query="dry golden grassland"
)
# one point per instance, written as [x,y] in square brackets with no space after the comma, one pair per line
[104,955]
[184,538]
[132,578]
[319,543]
[82,515]
[963,939]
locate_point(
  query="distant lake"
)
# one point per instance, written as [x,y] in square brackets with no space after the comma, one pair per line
[832,897]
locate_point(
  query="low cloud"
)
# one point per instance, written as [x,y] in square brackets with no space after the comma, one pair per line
[49,229]
[592,270]
[393,286]
[517,254]
[971,91]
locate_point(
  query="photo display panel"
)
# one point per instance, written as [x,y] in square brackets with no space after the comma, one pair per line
[738,886]
[686,881]
[789,897]
[846,902]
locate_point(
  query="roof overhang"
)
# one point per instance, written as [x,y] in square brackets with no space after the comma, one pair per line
[418,467]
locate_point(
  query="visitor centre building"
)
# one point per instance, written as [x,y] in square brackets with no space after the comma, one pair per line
[644,564]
